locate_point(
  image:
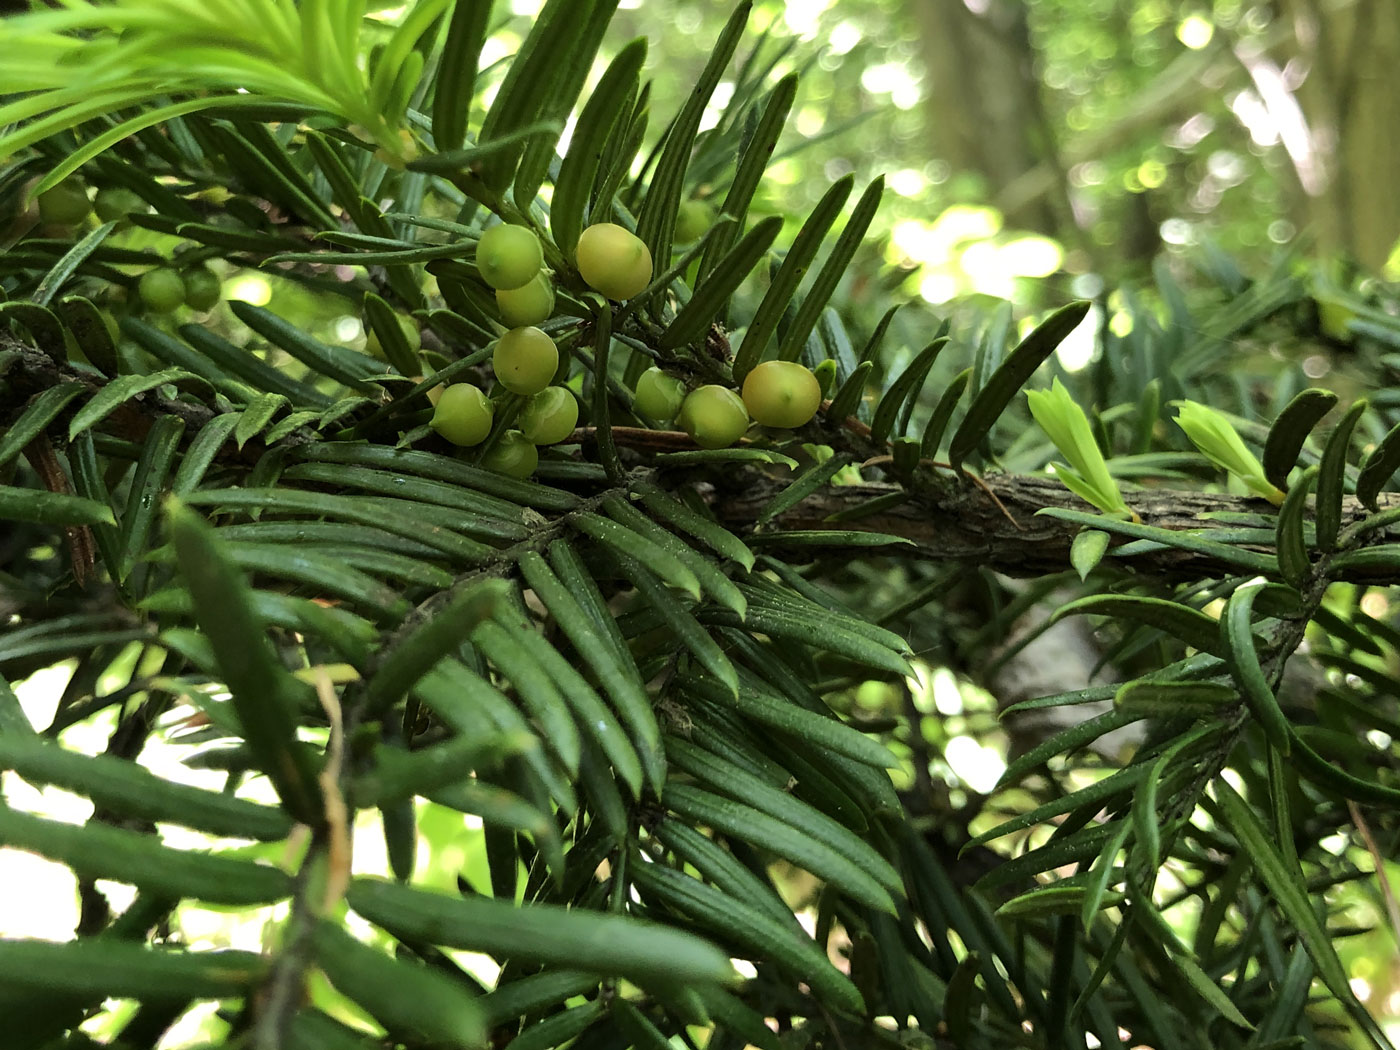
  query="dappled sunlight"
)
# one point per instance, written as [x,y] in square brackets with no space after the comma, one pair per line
[249,288]
[966,251]
[1079,346]
[811,523]
[976,765]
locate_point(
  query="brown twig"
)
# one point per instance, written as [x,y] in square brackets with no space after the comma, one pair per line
[1392,908]
[82,550]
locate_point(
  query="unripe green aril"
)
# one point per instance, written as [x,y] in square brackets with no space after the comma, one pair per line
[463,414]
[407,325]
[161,290]
[693,221]
[550,417]
[512,455]
[114,203]
[529,304]
[203,289]
[66,204]
[508,256]
[613,260]
[525,360]
[659,395]
[1333,316]
[714,416]
[782,394]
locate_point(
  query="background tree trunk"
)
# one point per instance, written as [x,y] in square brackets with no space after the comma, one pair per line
[983,106]
[1350,95]
[1326,72]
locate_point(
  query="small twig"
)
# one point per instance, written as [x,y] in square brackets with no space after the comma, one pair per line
[1000,505]
[340,842]
[1392,908]
[877,461]
[321,883]
[285,988]
[82,550]
[640,438]
[830,1024]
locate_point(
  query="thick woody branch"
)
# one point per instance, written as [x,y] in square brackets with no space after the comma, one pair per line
[955,520]
[29,372]
[992,522]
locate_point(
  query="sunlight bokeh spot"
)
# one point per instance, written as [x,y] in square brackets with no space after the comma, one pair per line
[1195,31]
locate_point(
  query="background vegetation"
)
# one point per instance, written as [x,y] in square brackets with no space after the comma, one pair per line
[1129,799]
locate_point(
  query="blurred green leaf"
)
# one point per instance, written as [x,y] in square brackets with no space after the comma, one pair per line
[264,695]
[110,968]
[100,852]
[603,944]
[401,995]
[51,508]
[1288,891]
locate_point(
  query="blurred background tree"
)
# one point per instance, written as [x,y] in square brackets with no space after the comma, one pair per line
[1114,129]
[1216,178]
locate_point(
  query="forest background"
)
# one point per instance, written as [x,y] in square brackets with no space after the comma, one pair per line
[1034,153]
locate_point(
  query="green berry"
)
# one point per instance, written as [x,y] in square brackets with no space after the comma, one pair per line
[66,204]
[714,416]
[693,221]
[463,414]
[203,289]
[529,304]
[512,455]
[525,360]
[659,395]
[613,260]
[782,394]
[508,257]
[113,204]
[1333,317]
[161,290]
[550,417]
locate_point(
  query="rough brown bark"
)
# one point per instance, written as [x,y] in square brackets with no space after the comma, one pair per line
[959,521]
[944,517]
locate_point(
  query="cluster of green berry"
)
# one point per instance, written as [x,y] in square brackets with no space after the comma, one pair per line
[775,394]
[162,289]
[611,260]
[615,262]
[67,203]
[165,289]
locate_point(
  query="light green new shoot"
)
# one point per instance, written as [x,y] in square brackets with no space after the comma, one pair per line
[1217,440]
[1087,475]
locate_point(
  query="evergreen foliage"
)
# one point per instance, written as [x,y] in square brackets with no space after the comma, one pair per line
[640,667]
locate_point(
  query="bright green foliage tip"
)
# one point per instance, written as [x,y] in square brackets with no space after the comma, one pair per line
[81,62]
[1212,433]
[1087,475]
